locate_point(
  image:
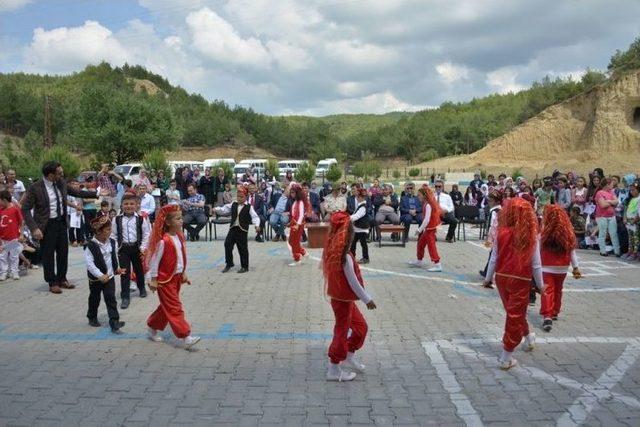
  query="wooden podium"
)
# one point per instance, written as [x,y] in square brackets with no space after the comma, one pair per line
[317,234]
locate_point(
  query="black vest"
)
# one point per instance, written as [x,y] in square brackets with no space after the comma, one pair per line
[364,221]
[99,260]
[245,216]
[138,229]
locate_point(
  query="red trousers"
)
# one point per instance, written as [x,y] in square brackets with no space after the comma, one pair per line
[295,237]
[515,299]
[347,317]
[551,299]
[428,239]
[170,310]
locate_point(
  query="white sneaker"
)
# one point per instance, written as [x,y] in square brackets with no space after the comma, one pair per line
[353,362]
[335,373]
[3,277]
[529,342]
[15,276]
[295,263]
[154,336]
[437,268]
[506,360]
[190,341]
[416,264]
[306,255]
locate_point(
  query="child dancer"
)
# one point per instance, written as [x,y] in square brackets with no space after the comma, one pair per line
[493,200]
[515,258]
[167,257]
[131,231]
[298,209]
[102,266]
[344,285]
[427,230]
[557,250]
[10,246]
[242,215]
[360,221]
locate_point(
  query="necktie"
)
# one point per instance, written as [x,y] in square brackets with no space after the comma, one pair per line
[58,207]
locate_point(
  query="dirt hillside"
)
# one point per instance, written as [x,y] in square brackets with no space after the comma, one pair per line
[600,127]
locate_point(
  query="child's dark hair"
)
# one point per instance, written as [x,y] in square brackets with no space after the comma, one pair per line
[576,210]
[129,196]
[173,181]
[5,195]
[113,211]
[104,203]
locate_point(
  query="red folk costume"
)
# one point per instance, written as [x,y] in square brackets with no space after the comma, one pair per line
[168,269]
[297,221]
[430,222]
[344,286]
[515,259]
[557,251]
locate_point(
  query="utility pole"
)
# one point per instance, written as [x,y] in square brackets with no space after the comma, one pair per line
[47,136]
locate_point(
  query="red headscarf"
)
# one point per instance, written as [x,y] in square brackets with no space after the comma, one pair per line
[337,245]
[557,232]
[157,232]
[518,214]
[430,198]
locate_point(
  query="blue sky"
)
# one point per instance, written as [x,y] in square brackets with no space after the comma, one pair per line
[323,56]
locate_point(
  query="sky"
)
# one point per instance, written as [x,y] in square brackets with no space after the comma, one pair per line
[320,57]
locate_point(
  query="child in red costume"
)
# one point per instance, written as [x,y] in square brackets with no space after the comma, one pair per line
[298,209]
[515,259]
[167,255]
[557,251]
[10,236]
[344,285]
[427,229]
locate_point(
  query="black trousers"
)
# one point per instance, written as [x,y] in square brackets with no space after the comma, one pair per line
[449,218]
[486,266]
[239,238]
[55,251]
[362,238]
[89,214]
[109,291]
[129,255]
[75,234]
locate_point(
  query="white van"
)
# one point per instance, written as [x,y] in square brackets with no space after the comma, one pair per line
[192,164]
[323,166]
[212,163]
[256,163]
[289,165]
[128,170]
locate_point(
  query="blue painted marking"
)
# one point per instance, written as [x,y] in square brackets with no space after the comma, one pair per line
[225,332]
[278,252]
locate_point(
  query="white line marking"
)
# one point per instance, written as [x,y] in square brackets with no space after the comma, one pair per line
[479,245]
[581,408]
[464,408]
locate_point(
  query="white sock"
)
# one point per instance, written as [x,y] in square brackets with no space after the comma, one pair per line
[334,368]
[506,355]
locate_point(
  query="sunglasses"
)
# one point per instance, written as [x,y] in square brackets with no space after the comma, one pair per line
[438,186]
[410,188]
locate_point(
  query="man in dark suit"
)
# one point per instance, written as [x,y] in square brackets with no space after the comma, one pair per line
[48,223]
[257,202]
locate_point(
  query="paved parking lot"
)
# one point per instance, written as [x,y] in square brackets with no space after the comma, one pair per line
[430,355]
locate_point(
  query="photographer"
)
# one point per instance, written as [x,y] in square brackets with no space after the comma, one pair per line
[106,186]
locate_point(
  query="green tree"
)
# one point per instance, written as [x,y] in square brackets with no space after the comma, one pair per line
[627,60]
[156,159]
[272,166]
[334,173]
[414,172]
[305,173]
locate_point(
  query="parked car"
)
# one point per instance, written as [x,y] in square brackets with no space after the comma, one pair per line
[128,170]
[324,165]
[285,166]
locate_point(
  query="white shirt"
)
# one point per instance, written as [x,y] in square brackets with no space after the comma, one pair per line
[148,204]
[173,196]
[445,202]
[18,189]
[130,230]
[356,287]
[359,213]
[536,264]
[425,218]
[52,190]
[105,250]
[157,256]
[225,210]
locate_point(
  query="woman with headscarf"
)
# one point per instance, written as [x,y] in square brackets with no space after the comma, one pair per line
[344,286]
[515,259]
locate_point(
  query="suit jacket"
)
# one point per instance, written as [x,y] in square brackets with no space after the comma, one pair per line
[37,198]
[315,202]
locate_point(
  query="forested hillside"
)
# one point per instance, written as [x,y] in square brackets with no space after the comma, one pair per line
[107,111]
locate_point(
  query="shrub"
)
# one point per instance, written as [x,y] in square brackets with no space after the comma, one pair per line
[516,173]
[272,166]
[333,174]
[428,155]
[305,173]
[228,171]
[396,173]
[413,172]
[155,159]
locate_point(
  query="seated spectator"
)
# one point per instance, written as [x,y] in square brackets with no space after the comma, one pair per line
[456,195]
[227,195]
[344,189]
[147,202]
[173,194]
[143,179]
[386,206]
[334,202]
[447,210]
[375,188]
[579,226]
[410,208]
[476,183]
[279,208]
[579,194]
[470,197]
[544,196]
[193,217]
[313,202]
[351,198]
[257,202]
[564,193]
[591,236]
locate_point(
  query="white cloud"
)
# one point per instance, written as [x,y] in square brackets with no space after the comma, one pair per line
[174,42]
[216,39]
[452,73]
[69,49]
[351,89]
[376,103]
[288,56]
[503,80]
[9,5]
[361,54]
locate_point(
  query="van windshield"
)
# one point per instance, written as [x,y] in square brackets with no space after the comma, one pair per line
[122,169]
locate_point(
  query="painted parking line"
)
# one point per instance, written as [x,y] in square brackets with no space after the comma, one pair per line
[592,395]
